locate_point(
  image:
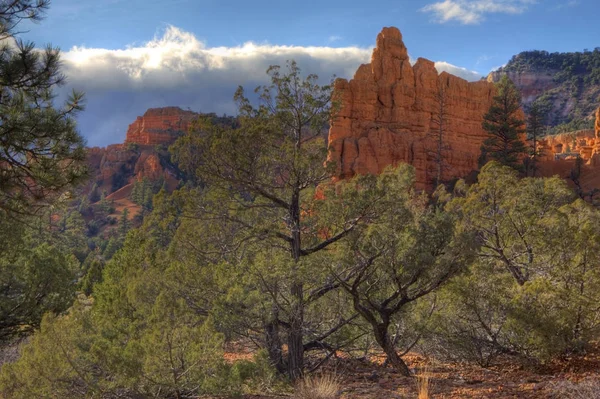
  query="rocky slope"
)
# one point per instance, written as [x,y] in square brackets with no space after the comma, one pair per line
[388,113]
[565,85]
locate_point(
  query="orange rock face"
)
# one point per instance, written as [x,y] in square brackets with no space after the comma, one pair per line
[598,128]
[580,143]
[159,126]
[119,165]
[388,110]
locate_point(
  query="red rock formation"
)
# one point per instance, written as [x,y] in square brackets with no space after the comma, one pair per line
[584,176]
[579,143]
[387,112]
[597,130]
[159,126]
[122,164]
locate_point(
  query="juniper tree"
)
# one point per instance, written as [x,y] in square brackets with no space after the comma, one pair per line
[261,179]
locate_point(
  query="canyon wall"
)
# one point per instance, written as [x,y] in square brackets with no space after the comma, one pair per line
[388,110]
[531,84]
[579,143]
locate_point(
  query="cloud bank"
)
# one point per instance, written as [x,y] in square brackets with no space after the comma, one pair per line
[469,12]
[178,69]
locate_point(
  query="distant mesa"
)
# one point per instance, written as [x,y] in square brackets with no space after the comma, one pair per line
[159,126]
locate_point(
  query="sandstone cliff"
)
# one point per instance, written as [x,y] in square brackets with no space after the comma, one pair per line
[388,111]
[118,165]
[159,126]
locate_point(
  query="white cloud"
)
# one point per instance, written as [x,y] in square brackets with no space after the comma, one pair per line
[471,76]
[568,4]
[178,69]
[473,11]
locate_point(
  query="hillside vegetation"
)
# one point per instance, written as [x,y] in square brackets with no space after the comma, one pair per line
[565,85]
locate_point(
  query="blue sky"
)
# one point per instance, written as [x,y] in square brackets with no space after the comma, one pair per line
[128,55]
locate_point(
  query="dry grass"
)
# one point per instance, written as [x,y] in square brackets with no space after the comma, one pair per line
[585,389]
[325,386]
[423,383]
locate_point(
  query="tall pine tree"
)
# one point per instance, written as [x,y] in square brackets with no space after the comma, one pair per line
[504,127]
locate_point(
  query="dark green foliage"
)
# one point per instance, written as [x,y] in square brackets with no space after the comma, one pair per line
[532,289]
[260,177]
[42,153]
[572,126]
[535,131]
[141,337]
[504,127]
[37,275]
[569,64]
[407,252]
[143,191]
[92,267]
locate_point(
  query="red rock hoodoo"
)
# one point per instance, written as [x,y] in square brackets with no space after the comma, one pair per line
[387,116]
[159,126]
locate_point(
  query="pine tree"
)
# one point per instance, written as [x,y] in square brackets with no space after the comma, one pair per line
[535,128]
[439,119]
[42,153]
[504,127]
[124,225]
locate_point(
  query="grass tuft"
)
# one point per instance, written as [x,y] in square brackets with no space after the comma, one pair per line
[423,383]
[325,386]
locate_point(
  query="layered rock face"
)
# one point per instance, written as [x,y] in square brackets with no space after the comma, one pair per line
[387,116]
[530,84]
[159,126]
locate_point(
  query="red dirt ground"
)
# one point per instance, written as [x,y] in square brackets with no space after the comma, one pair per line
[368,379]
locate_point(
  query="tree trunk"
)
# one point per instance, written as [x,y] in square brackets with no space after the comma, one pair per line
[383,339]
[273,342]
[295,337]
